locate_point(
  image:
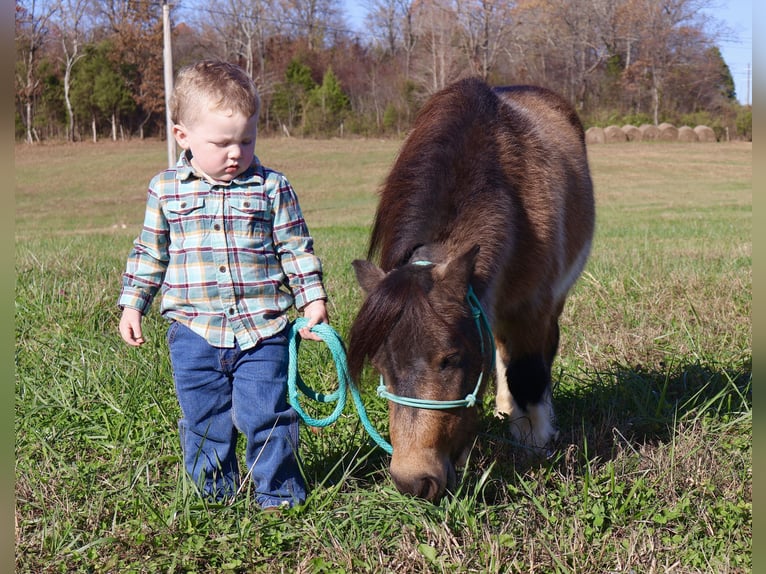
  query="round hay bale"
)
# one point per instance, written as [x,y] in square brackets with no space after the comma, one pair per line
[705,134]
[687,135]
[668,132]
[595,135]
[614,134]
[632,133]
[649,132]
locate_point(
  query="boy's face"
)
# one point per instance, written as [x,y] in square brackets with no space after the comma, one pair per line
[222,142]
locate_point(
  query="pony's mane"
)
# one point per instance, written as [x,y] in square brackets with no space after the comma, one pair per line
[418,200]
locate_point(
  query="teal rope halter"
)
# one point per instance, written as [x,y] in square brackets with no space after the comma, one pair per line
[482,325]
[345,384]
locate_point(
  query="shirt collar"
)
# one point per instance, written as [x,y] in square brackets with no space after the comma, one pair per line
[185,170]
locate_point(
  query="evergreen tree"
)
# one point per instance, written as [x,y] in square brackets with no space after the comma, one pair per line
[291,95]
[725,79]
[99,90]
[326,106]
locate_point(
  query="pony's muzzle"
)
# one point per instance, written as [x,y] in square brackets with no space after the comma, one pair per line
[429,484]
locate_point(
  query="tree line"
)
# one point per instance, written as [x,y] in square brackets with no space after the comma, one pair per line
[90,69]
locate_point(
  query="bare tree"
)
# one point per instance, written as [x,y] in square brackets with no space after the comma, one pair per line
[312,19]
[409,38]
[71,32]
[483,29]
[437,60]
[32,20]
[583,31]
[384,18]
[668,33]
[568,47]
[242,28]
[393,24]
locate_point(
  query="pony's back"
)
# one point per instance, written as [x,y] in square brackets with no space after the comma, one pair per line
[475,157]
[419,198]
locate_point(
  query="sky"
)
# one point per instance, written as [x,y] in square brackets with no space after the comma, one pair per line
[737,51]
[736,47]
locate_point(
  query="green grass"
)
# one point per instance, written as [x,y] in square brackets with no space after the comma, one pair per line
[652,472]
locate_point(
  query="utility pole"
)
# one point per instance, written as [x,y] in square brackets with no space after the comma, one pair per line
[748,83]
[167,58]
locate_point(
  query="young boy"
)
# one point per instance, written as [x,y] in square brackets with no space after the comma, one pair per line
[225,240]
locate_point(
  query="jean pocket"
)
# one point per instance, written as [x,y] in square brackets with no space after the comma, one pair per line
[171,333]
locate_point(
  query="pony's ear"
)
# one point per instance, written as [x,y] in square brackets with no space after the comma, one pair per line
[458,271]
[368,275]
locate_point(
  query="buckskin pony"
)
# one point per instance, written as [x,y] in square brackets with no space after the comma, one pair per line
[485,221]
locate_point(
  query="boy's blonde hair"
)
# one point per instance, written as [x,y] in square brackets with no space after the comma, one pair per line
[214,84]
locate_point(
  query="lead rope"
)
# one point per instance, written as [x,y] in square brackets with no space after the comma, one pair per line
[345,384]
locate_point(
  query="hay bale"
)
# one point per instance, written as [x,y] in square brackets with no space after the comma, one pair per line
[649,132]
[687,135]
[614,134]
[632,133]
[668,132]
[705,134]
[595,135]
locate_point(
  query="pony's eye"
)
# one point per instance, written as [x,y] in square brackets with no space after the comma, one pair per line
[450,361]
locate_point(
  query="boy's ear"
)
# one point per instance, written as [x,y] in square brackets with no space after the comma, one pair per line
[182,138]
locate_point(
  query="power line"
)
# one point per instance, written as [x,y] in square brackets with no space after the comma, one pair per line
[281,20]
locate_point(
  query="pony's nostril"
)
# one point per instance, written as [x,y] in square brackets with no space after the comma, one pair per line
[425,486]
[429,489]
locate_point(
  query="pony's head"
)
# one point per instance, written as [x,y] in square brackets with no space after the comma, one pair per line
[419,330]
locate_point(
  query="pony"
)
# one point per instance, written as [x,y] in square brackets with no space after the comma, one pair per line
[483,225]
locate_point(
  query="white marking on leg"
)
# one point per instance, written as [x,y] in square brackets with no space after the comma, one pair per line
[503,398]
[534,427]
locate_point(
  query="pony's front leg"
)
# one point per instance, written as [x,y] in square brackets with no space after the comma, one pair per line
[503,397]
[531,423]
[535,425]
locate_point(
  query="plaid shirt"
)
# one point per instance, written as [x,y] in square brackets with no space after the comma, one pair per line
[230,259]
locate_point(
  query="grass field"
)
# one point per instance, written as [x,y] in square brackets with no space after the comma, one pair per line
[652,472]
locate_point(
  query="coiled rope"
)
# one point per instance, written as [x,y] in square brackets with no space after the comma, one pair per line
[345,384]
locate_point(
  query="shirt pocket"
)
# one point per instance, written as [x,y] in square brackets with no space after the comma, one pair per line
[179,208]
[186,217]
[251,218]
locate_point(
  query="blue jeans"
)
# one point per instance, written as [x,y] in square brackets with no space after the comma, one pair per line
[224,392]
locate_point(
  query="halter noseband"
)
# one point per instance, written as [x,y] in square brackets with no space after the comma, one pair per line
[482,325]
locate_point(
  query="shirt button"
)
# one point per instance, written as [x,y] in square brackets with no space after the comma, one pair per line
[222,269]
[217,227]
[231,310]
[246,204]
[183,204]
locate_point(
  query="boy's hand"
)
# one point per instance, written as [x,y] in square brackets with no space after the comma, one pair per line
[315,312]
[130,327]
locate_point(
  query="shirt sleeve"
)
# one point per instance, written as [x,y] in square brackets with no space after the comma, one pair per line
[294,245]
[148,259]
